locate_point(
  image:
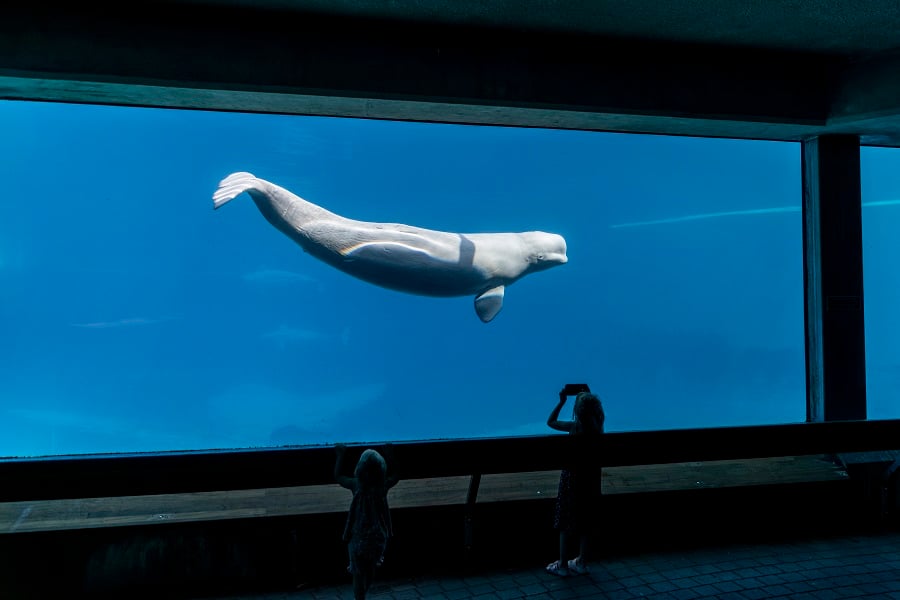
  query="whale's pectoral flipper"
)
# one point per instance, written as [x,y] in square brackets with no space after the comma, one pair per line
[232,186]
[489,303]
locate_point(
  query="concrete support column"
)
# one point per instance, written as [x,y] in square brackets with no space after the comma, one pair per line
[832,249]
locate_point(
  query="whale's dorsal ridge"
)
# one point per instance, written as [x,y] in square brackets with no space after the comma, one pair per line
[489,303]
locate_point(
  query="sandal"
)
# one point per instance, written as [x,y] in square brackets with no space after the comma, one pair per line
[554,569]
[578,567]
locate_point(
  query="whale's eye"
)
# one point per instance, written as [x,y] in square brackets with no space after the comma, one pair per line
[540,257]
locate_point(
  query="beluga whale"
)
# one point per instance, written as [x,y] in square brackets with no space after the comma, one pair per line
[401,257]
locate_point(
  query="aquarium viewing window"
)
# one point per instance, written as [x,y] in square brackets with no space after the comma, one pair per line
[881,221]
[138,318]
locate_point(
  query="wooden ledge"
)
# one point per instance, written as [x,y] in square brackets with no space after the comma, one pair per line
[85,513]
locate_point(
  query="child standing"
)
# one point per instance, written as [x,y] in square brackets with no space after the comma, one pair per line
[579,485]
[368,526]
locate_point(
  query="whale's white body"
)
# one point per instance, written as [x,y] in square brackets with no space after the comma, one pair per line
[401,257]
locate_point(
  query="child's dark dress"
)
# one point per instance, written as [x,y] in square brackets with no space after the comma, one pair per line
[577,498]
[368,528]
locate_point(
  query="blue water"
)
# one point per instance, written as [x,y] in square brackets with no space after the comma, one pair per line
[137,318]
[880,171]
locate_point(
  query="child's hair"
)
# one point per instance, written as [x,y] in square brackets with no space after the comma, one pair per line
[371,469]
[588,412]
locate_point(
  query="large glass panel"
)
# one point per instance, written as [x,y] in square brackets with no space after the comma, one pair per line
[881,224]
[136,318]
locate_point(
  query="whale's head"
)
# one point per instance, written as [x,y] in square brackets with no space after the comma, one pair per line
[544,250]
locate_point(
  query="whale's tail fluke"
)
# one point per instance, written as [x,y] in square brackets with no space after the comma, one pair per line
[233,186]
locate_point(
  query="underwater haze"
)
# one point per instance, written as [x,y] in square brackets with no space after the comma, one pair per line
[136,317]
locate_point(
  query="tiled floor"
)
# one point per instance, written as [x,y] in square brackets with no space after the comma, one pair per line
[859,566]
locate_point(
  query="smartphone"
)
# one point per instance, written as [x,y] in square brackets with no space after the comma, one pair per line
[573,389]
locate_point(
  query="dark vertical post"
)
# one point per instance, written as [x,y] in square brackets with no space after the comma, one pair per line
[832,252]
[469,531]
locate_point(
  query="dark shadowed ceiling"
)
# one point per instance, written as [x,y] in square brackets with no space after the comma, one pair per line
[827,26]
[786,69]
